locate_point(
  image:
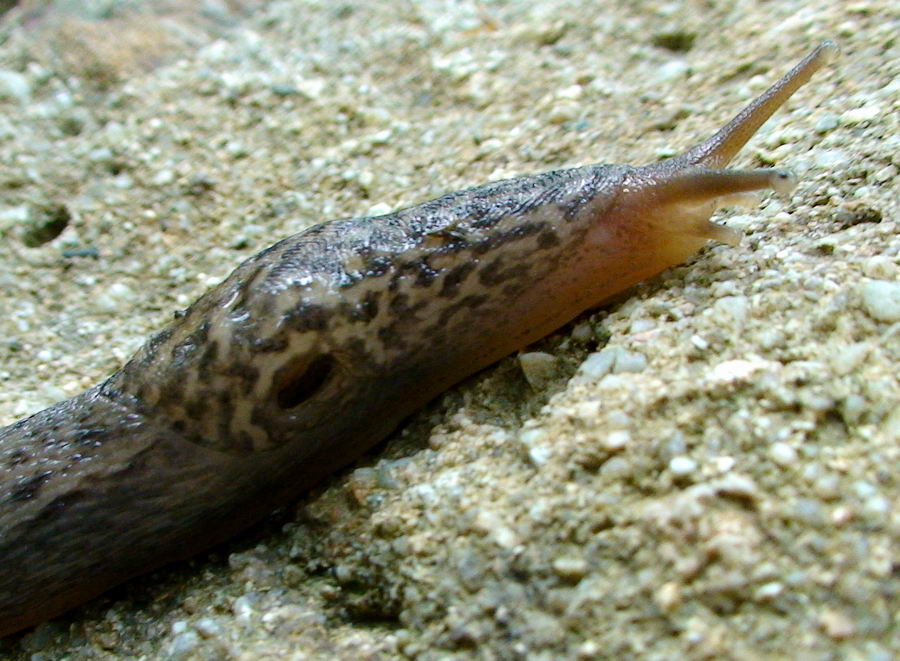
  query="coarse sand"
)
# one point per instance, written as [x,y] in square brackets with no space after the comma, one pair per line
[706,469]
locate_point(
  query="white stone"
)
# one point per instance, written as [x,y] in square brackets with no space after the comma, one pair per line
[881,300]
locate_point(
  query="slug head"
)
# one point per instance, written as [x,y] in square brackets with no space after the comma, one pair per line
[667,205]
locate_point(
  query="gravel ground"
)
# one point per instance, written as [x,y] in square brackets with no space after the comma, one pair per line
[706,469]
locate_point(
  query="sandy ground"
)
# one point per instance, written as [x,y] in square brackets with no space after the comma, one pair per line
[722,483]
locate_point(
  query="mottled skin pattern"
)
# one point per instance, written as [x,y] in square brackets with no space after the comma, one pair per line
[355,298]
[316,348]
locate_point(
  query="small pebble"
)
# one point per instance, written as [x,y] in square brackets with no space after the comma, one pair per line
[598,364]
[809,511]
[208,627]
[311,88]
[115,296]
[880,267]
[14,85]
[864,489]
[769,591]
[540,455]
[630,361]
[733,309]
[827,123]
[183,645]
[535,442]
[877,505]
[586,411]
[682,466]
[848,358]
[616,440]
[243,608]
[616,468]
[836,624]
[570,568]
[102,156]
[865,113]
[539,368]
[164,177]
[589,649]
[881,300]
[642,325]
[842,515]
[783,454]
[123,181]
[699,343]
[668,597]
[828,159]
[735,484]
[887,173]
[672,69]
[735,370]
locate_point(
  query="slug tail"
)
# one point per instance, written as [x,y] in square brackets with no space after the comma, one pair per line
[717,151]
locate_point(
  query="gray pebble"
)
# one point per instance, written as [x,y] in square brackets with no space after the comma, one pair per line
[630,361]
[208,627]
[830,158]
[14,85]
[735,307]
[809,511]
[115,297]
[849,357]
[673,69]
[616,467]
[183,645]
[612,360]
[538,367]
[243,607]
[827,123]
[598,364]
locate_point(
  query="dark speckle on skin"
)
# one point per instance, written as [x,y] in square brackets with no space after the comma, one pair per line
[88,436]
[207,359]
[377,266]
[454,278]
[308,317]
[246,375]
[425,275]
[365,310]
[28,487]
[275,344]
[15,458]
[194,407]
[468,302]
[497,272]
[399,304]
[547,239]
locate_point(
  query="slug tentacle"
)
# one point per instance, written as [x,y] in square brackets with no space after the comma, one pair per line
[316,348]
[717,151]
[703,184]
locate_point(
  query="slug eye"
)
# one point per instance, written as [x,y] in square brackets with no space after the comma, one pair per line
[301,379]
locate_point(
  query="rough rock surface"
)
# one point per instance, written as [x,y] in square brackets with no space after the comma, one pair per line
[720,482]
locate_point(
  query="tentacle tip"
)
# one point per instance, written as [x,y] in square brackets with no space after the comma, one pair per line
[722,234]
[828,51]
[783,181]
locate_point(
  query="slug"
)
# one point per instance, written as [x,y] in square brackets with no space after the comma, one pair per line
[319,346]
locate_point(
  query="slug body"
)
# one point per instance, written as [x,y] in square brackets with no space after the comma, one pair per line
[316,348]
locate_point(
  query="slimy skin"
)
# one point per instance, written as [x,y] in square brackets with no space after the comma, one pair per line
[316,348]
